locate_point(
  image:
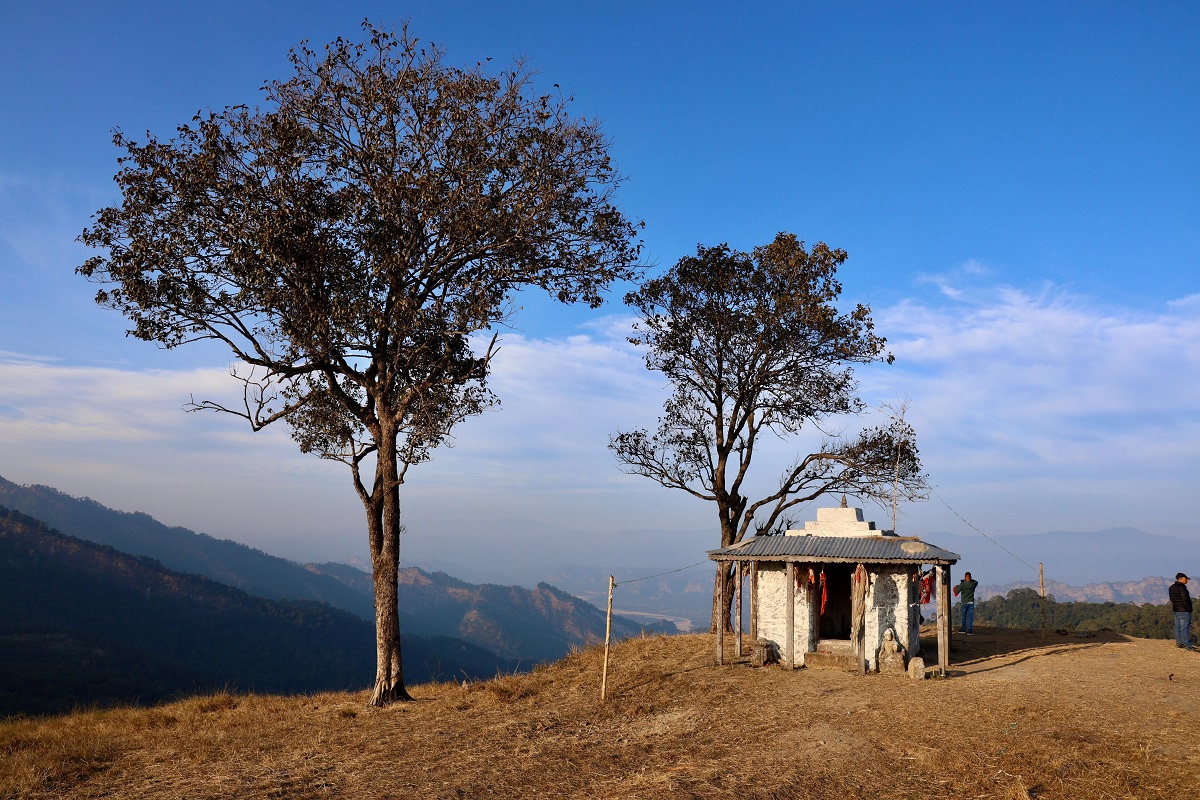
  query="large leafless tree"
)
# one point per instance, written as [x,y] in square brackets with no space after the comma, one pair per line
[354,242]
[753,343]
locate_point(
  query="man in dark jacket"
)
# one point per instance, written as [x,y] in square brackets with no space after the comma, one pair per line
[966,589]
[1181,604]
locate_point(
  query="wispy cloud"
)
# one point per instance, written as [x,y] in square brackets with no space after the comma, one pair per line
[1082,413]
[1035,410]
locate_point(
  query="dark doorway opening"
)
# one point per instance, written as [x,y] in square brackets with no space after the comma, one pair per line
[835,622]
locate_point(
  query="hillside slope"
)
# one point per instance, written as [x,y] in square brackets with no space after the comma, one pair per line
[1102,717]
[85,623]
[181,549]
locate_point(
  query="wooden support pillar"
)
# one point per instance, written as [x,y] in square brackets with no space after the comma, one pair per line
[943,618]
[737,574]
[719,613]
[753,603]
[791,614]
[860,615]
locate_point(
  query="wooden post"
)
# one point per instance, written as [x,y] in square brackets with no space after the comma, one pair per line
[607,638]
[719,613]
[791,614]
[860,645]
[737,571]
[753,603]
[943,618]
[1042,584]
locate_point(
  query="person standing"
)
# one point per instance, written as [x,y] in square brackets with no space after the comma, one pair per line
[966,590]
[1181,604]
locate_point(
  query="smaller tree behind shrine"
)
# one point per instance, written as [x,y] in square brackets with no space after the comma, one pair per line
[752,343]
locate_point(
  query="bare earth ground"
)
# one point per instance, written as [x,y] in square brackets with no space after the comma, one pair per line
[1104,717]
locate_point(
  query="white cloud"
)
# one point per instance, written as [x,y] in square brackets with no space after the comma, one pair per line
[1035,411]
[1050,411]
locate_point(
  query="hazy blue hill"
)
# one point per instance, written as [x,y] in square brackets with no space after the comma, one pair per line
[85,623]
[180,549]
[517,623]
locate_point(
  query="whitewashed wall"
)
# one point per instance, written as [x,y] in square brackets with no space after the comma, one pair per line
[772,607]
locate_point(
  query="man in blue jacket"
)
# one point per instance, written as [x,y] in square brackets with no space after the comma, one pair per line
[1181,604]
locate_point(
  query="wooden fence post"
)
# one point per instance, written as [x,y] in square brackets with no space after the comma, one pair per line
[607,638]
[1042,584]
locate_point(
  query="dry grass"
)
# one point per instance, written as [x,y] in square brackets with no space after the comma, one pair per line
[1107,717]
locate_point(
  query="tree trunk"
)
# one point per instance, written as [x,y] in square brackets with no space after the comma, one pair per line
[721,612]
[722,615]
[383,524]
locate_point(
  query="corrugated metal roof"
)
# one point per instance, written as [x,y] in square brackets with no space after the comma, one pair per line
[897,549]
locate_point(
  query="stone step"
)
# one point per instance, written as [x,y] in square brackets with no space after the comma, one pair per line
[824,659]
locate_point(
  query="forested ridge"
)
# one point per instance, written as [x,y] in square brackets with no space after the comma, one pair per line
[1022,609]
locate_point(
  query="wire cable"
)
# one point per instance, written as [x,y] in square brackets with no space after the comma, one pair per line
[981,533]
[659,575]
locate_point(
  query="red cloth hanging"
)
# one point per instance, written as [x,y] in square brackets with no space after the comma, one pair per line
[927,589]
[824,595]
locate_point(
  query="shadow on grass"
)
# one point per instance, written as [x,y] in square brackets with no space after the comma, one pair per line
[988,644]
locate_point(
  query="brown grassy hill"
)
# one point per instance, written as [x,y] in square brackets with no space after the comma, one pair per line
[1103,717]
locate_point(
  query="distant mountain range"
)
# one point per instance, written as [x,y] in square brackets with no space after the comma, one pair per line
[1147,590]
[85,623]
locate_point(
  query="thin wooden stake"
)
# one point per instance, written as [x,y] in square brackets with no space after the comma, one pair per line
[1042,584]
[607,638]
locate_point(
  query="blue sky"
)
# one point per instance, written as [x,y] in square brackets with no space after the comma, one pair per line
[1017,185]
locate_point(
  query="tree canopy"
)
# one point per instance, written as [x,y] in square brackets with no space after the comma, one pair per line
[353,243]
[753,343]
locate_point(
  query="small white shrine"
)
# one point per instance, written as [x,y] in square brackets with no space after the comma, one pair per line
[839,590]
